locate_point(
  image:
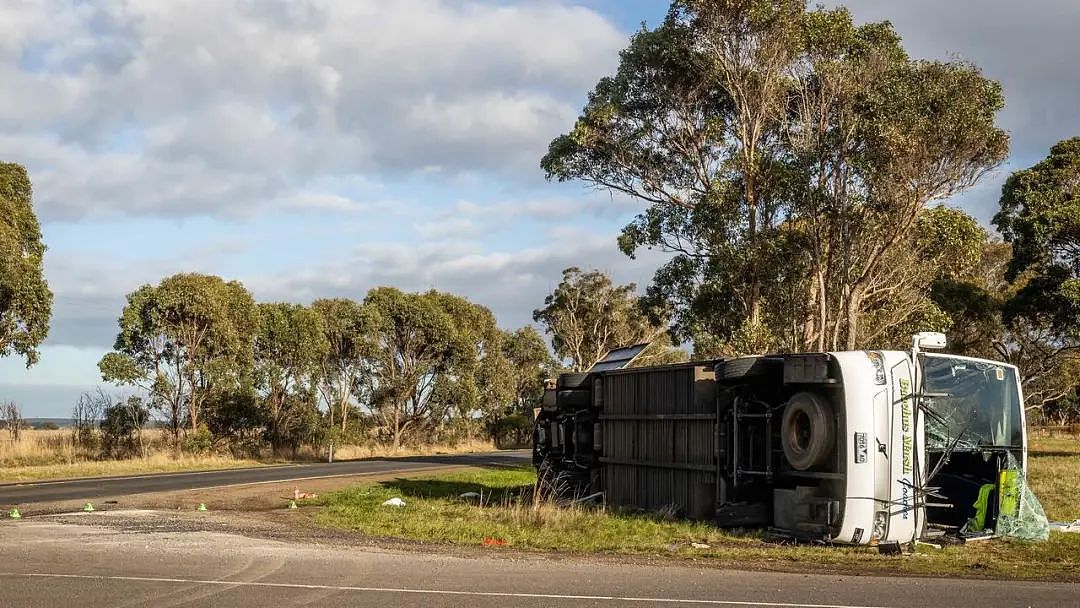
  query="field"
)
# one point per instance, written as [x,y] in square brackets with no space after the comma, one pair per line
[507,515]
[43,454]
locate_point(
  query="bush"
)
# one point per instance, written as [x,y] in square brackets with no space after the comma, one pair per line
[514,430]
[121,428]
[200,441]
[235,418]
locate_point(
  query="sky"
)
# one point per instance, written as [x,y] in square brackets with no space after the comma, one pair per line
[322,148]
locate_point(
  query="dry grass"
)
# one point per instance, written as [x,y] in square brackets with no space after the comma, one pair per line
[155,463]
[1054,460]
[42,454]
[356,452]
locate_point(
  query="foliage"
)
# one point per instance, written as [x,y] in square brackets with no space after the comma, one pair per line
[436,361]
[587,315]
[121,427]
[199,441]
[787,156]
[345,377]
[1040,307]
[25,298]
[237,418]
[530,364]
[290,347]
[182,339]
[1040,217]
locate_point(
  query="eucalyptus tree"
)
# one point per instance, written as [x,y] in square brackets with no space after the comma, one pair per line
[181,339]
[290,347]
[786,156]
[587,315]
[25,298]
[531,364]
[346,371]
[480,381]
[415,342]
[1040,217]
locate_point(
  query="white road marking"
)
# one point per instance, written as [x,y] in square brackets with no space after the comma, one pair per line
[507,594]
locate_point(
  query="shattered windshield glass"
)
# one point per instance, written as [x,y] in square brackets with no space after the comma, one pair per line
[975,401]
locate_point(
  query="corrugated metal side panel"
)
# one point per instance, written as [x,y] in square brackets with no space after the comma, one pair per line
[659,439]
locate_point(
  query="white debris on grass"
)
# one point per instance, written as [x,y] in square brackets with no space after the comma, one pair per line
[1064,526]
[469,495]
[394,502]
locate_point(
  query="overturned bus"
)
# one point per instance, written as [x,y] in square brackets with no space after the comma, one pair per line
[867,447]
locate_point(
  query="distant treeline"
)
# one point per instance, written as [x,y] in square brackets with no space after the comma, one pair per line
[394,368]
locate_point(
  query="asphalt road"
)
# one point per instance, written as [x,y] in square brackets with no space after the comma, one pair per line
[46,564]
[95,488]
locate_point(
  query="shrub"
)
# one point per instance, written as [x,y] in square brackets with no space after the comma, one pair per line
[200,441]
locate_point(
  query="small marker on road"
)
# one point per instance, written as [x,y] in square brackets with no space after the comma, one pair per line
[89,508]
[14,514]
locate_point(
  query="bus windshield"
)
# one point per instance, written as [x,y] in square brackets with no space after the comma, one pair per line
[972,403]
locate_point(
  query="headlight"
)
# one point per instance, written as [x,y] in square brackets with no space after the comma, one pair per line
[881,522]
[879,366]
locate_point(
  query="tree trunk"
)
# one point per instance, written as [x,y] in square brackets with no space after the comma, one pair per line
[851,314]
[397,427]
[754,303]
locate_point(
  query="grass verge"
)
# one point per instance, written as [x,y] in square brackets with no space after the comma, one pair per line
[506,514]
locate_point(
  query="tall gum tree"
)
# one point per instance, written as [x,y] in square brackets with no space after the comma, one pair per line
[785,156]
[346,372]
[182,338]
[1040,217]
[587,315]
[290,347]
[25,298]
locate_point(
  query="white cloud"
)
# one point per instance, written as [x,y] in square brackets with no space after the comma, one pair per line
[510,282]
[161,107]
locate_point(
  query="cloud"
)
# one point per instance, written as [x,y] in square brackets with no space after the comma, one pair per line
[154,108]
[467,218]
[1031,48]
[512,282]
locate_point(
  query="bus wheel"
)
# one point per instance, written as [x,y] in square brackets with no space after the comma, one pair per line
[808,431]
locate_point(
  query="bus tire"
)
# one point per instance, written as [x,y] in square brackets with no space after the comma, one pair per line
[808,431]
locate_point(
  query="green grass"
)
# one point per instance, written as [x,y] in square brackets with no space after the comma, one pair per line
[507,513]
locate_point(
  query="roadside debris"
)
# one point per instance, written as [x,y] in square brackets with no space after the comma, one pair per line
[394,502]
[699,545]
[469,495]
[494,542]
[298,495]
[1064,526]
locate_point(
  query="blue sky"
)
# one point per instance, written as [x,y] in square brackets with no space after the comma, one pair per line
[322,148]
